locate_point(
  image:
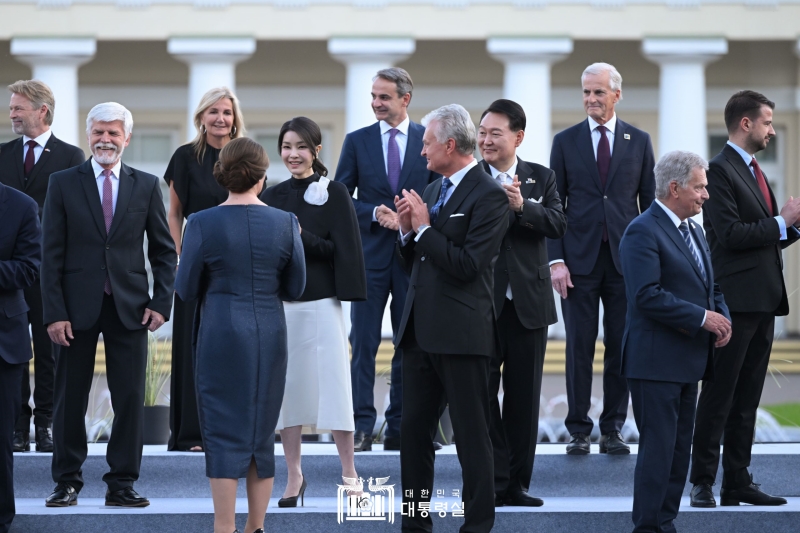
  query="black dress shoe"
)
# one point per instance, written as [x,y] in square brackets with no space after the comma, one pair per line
[126,497]
[63,496]
[362,442]
[521,499]
[613,444]
[702,496]
[579,444]
[436,446]
[391,444]
[22,441]
[748,494]
[291,501]
[44,439]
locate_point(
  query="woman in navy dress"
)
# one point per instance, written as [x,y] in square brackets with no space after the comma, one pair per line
[240,260]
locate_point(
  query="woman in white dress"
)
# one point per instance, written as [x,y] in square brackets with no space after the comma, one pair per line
[318,391]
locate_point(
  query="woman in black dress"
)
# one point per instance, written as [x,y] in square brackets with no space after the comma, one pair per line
[192,188]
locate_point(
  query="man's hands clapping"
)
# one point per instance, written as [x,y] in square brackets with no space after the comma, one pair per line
[412,212]
[387,218]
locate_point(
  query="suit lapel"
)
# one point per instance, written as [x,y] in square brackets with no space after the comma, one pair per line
[123,197]
[468,182]
[89,184]
[488,170]
[744,173]
[675,234]
[3,200]
[701,250]
[49,146]
[374,147]
[413,149]
[620,147]
[583,142]
[18,162]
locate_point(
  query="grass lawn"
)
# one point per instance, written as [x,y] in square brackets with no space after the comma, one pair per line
[787,414]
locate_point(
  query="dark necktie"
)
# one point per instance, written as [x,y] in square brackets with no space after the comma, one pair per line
[393,160]
[108,215]
[30,157]
[684,227]
[762,184]
[446,184]
[603,156]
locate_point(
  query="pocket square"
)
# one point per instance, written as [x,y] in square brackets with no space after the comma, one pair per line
[534,200]
[457,215]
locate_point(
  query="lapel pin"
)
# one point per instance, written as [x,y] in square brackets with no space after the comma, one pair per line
[693,226]
[47,149]
[627,136]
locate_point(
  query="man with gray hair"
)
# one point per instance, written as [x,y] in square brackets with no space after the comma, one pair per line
[604,175]
[676,317]
[94,281]
[449,241]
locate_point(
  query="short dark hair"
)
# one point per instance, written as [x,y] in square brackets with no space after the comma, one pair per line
[744,104]
[399,77]
[511,109]
[242,163]
[309,131]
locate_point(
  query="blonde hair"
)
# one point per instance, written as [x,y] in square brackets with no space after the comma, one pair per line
[38,93]
[209,99]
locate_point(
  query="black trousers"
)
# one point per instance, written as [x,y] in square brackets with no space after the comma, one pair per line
[43,365]
[581,312]
[729,403]
[126,361]
[664,413]
[10,376]
[429,380]
[184,418]
[514,433]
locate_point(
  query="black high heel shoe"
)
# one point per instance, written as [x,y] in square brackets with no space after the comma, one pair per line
[292,500]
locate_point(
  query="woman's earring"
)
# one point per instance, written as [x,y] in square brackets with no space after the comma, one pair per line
[233,131]
[204,129]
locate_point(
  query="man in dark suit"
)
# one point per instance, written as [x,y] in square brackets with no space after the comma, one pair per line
[20,256]
[676,317]
[746,233]
[94,281]
[26,164]
[523,298]
[379,161]
[604,172]
[450,239]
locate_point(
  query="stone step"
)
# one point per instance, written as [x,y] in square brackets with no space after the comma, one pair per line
[182,474]
[569,514]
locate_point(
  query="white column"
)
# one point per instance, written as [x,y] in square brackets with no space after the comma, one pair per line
[682,90]
[212,63]
[55,61]
[364,57]
[527,81]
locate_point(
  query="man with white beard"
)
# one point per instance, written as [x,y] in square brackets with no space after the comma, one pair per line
[94,281]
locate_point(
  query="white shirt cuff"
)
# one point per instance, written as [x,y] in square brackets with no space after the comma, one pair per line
[782,225]
[416,239]
[705,316]
[405,238]
[554,261]
[374,216]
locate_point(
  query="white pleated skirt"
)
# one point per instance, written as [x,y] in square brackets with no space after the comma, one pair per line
[318,391]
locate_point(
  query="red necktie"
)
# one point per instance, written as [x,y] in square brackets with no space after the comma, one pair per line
[108,215]
[603,163]
[762,184]
[30,157]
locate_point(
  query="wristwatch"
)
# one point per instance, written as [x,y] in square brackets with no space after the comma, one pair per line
[519,213]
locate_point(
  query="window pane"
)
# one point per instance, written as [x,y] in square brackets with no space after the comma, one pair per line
[154,147]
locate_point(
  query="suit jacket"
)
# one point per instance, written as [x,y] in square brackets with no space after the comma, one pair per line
[667,300]
[629,190]
[20,257]
[78,253]
[57,155]
[451,267]
[362,166]
[523,253]
[744,238]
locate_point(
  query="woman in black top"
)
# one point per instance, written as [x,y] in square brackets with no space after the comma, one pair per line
[318,391]
[193,188]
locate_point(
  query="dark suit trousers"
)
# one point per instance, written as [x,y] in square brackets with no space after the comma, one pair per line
[430,380]
[514,434]
[664,413]
[126,361]
[581,312]
[365,338]
[43,364]
[730,402]
[10,377]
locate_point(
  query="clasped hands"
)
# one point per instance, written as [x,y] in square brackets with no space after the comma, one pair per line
[61,332]
[514,195]
[412,212]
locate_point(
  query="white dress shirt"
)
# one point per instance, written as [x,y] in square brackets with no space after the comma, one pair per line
[402,141]
[41,140]
[100,178]
[611,127]
[511,172]
[747,159]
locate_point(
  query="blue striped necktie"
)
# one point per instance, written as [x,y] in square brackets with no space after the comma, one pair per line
[684,227]
[446,184]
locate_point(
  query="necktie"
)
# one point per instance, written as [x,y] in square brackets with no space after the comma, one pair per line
[108,215]
[446,184]
[30,157]
[684,227]
[393,160]
[501,178]
[762,184]
[603,156]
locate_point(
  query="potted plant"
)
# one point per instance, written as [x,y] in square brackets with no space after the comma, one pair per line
[156,416]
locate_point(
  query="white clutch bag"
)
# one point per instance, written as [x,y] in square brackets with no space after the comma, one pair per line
[317,192]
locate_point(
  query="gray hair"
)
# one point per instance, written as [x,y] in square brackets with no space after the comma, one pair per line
[676,166]
[399,77]
[109,112]
[614,77]
[453,122]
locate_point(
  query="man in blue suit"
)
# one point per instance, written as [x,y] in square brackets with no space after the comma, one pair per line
[379,161]
[676,317]
[20,257]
